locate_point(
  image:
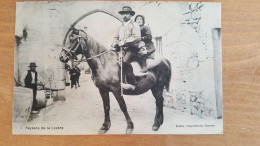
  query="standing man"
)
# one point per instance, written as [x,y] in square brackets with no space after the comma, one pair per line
[73,75]
[128,37]
[78,75]
[30,81]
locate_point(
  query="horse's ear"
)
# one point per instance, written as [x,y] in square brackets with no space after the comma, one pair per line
[74,30]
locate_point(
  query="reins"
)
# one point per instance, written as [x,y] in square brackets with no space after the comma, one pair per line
[84,60]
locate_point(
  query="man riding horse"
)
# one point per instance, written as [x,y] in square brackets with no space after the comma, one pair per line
[128,37]
[106,70]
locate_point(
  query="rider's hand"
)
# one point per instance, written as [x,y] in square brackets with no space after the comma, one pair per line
[116,48]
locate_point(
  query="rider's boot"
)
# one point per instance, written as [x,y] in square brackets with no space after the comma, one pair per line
[153,65]
[144,70]
[128,86]
[141,74]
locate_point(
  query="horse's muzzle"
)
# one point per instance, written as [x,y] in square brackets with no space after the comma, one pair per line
[63,59]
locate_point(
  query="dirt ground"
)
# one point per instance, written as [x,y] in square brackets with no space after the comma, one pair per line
[82,113]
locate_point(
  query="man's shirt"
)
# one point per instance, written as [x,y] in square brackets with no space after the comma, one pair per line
[33,77]
[129,32]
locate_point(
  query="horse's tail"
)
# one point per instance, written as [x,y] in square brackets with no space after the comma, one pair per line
[169,75]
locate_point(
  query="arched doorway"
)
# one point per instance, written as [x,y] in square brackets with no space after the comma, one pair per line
[100,24]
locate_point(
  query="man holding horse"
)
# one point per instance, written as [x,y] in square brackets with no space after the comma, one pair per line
[128,37]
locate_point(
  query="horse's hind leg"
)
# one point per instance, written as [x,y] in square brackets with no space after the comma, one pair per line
[157,91]
[106,103]
[121,102]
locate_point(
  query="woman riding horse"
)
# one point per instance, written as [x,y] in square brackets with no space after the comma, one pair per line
[106,76]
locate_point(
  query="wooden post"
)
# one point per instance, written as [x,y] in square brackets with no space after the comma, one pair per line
[121,61]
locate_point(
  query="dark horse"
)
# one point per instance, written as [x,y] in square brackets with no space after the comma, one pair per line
[106,76]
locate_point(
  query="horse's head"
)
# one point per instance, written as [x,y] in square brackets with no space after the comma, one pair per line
[73,46]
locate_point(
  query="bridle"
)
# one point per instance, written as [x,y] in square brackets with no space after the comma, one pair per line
[71,52]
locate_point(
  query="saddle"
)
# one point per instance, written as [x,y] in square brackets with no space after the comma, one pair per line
[138,64]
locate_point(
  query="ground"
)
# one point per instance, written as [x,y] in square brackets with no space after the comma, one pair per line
[82,113]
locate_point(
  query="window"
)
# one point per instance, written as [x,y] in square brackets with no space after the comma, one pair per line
[158,44]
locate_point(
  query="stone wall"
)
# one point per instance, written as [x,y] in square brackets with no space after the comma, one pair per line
[193,15]
[186,31]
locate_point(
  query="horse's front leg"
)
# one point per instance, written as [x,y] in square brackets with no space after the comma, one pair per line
[121,102]
[106,103]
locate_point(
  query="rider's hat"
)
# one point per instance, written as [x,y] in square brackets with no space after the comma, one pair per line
[127,9]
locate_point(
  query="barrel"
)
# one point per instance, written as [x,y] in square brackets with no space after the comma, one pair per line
[23,100]
[41,99]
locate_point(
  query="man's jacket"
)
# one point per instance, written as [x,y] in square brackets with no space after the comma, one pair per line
[147,38]
[28,79]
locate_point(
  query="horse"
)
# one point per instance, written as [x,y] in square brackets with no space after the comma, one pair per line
[106,73]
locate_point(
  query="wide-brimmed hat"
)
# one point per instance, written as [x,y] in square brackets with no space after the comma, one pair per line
[127,9]
[32,64]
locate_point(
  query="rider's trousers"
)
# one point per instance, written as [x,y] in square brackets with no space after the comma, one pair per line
[127,67]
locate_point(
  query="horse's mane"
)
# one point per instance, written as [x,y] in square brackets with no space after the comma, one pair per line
[92,43]
[97,48]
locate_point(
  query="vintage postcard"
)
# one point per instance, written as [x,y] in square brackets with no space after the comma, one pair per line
[117,67]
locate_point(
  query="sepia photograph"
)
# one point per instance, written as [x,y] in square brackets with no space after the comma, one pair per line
[117,67]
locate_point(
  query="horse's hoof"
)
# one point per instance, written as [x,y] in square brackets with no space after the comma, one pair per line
[105,127]
[155,128]
[102,131]
[129,131]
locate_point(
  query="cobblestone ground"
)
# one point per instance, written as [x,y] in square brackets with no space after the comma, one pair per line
[82,113]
